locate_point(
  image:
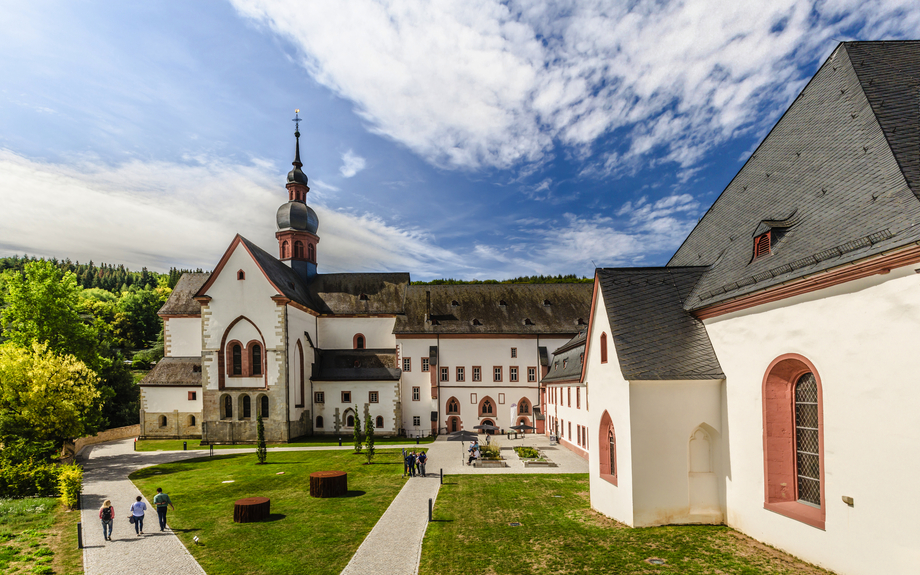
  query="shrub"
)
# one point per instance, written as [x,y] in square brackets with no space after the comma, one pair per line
[357,429]
[492,451]
[527,452]
[369,438]
[27,478]
[71,484]
[261,451]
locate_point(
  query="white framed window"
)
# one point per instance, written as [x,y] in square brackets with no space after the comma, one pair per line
[416,393]
[477,373]
[531,374]
[461,374]
[425,364]
[407,364]
[416,420]
[445,374]
[513,373]
[497,373]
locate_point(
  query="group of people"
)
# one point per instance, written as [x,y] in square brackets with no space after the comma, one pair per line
[415,463]
[474,451]
[136,514]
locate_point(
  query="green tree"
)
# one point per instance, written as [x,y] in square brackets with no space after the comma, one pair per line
[357,431]
[261,451]
[369,439]
[43,306]
[45,396]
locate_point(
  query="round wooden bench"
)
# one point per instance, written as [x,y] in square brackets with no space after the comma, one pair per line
[328,484]
[251,509]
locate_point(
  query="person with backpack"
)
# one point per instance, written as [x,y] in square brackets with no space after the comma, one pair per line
[410,463]
[107,514]
[161,501]
[137,515]
[422,460]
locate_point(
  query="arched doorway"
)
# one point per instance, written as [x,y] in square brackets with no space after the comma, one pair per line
[453,424]
[488,422]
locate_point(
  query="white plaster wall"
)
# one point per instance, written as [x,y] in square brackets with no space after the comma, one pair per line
[388,396]
[339,332]
[416,349]
[608,391]
[167,399]
[565,414]
[232,298]
[664,416]
[299,322]
[184,336]
[861,337]
[244,332]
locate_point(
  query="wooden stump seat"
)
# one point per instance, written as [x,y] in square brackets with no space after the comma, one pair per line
[328,484]
[251,509]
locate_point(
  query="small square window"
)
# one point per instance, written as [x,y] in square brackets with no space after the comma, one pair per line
[513,352]
[477,373]
[407,364]
[496,373]
[319,397]
[531,374]
[461,374]
[346,397]
[425,365]
[445,374]
[416,420]
[192,395]
[416,393]
[372,397]
[513,373]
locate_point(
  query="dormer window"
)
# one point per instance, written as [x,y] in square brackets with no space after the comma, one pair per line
[455,303]
[762,246]
[476,322]
[580,321]
[502,303]
[547,303]
[527,321]
[363,297]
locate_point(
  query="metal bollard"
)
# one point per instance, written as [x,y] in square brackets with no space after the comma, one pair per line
[429,509]
[135,444]
[417,440]
[211,450]
[185,446]
[79,535]
[340,442]
[442,476]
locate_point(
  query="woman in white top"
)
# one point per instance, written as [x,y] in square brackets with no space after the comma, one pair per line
[137,511]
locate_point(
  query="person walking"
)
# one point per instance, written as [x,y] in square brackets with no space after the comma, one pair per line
[107,515]
[161,501]
[410,463]
[137,512]
[422,461]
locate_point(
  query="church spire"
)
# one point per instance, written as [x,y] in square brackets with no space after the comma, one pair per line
[296,162]
[297,222]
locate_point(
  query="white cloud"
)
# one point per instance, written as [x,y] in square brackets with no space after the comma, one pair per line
[474,83]
[351,164]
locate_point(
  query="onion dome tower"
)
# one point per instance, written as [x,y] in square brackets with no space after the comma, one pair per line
[297,222]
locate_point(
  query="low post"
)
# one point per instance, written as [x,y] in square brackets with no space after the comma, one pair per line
[211,450]
[185,446]
[79,535]
[442,476]
[429,509]
[340,442]
[405,467]
[135,444]
[417,441]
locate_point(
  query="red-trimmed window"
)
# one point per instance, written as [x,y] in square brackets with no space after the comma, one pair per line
[461,374]
[603,348]
[407,364]
[531,374]
[298,249]
[513,373]
[453,406]
[255,352]
[192,396]
[359,341]
[762,245]
[608,449]
[236,352]
[240,275]
[445,374]
[425,364]
[311,252]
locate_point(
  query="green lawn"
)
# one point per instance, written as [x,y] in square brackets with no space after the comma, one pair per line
[304,535]
[37,536]
[313,441]
[561,534]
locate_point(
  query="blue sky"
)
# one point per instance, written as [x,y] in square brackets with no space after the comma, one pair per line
[469,139]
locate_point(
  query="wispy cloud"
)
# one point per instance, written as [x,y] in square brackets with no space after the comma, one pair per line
[485,83]
[351,164]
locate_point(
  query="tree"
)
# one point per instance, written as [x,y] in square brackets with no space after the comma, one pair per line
[46,396]
[369,438]
[261,451]
[43,306]
[357,431]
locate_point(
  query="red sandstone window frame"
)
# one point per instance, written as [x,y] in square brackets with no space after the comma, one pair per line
[444,374]
[319,397]
[513,373]
[531,374]
[240,275]
[577,398]
[426,364]
[453,406]
[416,393]
[513,352]
[407,364]
[606,441]
[359,338]
[604,347]
[524,406]
[346,397]
[192,396]
[461,373]
[256,364]
[373,397]
[477,373]
[497,373]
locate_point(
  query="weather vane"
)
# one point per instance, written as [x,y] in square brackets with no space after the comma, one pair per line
[296,119]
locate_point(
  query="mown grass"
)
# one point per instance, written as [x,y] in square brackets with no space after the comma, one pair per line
[38,537]
[303,535]
[314,441]
[559,533]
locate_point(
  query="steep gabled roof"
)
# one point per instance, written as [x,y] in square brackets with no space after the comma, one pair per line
[181,301]
[654,336]
[174,372]
[567,360]
[832,181]
[360,293]
[356,365]
[528,308]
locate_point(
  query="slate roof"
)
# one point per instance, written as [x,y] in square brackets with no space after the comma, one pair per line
[181,300]
[654,336]
[283,277]
[835,180]
[174,372]
[550,308]
[356,365]
[385,293]
[567,360]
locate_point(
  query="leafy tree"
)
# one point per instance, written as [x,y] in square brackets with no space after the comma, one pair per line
[261,451]
[369,438]
[42,306]
[45,396]
[357,431]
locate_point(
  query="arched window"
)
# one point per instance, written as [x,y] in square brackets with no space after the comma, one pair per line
[228,407]
[247,407]
[264,407]
[240,275]
[350,420]
[319,421]
[285,250]
[298,249]
[608,449]
[191,421]
[453,406]
[793,440]
[162,421]
[311,252]
[379,422]
[486,408]
[236,351]
[359,341]
[603,348]
[256,359]
[524,405]
[299,390]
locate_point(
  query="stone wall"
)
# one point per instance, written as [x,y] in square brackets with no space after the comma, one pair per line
[170,425]
[107,435]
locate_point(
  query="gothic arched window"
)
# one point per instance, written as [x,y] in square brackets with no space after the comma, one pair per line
[603,348]
[285,249]
[228,407]
[311,252]
[350,421]
[247,407]
[256,363]
[298,249]
[264,407]
[379,422]
[236,351]
[319,421]
[487,406]
[453,406]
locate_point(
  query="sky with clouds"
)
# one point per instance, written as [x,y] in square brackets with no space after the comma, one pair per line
[452,138]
